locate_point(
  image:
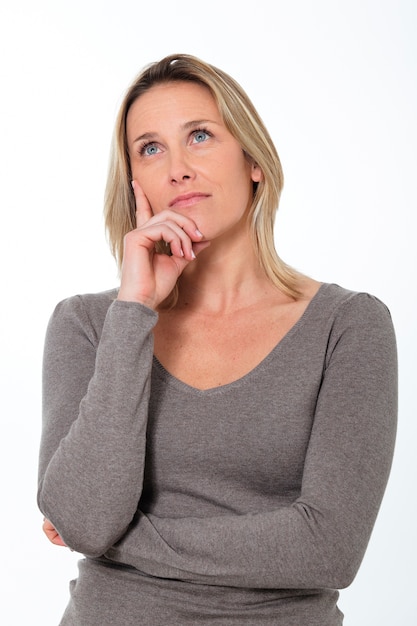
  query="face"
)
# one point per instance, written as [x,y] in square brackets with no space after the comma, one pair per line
[186,160]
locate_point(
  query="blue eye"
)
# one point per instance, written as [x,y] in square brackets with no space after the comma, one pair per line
[149,149]
[201,135]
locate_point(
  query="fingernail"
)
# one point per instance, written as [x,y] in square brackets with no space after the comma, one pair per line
[132,182]
[198,233]
[193,254]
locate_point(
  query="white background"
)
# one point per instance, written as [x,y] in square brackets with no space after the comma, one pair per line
[336,83]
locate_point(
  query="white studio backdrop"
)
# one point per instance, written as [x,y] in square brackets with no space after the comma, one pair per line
[336,83]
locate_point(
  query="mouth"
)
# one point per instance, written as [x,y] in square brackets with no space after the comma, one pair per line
[187,199]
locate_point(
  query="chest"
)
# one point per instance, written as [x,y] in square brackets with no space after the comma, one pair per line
[239,447]
[208,351]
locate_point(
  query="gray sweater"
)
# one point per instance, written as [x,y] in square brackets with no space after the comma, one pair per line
[249,503]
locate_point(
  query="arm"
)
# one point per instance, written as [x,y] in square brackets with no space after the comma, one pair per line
[95,394]
[94,426]
[319,540]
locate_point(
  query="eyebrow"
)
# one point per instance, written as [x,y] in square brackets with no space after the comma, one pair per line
[186,126]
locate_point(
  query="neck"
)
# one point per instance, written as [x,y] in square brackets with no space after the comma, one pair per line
[223,280]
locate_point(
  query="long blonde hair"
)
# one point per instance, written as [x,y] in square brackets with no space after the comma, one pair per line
[243,122]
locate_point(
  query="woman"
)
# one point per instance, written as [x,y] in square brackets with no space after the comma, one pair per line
[218,432]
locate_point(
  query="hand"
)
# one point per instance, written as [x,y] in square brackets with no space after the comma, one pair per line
[51,533]
[149,277]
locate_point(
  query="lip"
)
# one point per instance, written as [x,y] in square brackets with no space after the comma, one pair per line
[188,199]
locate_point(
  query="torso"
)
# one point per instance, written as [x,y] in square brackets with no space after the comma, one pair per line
[206,350]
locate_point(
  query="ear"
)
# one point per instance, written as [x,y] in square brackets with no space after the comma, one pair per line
[256,173]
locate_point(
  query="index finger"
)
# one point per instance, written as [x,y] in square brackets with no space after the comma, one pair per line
[143,208]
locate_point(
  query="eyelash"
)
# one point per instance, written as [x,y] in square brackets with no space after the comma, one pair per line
[202,130]
[195,132]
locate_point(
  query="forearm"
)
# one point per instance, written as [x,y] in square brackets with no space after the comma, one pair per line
[291,547]
[316,542]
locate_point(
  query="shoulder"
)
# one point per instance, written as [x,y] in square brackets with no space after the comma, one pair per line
[93,303]
[339,316]
[341,303]
[359,322]
[82,313]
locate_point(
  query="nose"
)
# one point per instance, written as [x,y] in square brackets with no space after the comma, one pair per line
[180,167]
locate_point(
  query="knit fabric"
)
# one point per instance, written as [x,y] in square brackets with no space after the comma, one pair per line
[246,504]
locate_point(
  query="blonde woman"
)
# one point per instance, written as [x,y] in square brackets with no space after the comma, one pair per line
[218,431]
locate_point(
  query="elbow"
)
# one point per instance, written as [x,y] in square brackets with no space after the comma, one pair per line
[333,550]
[90,535]
[92,542]
[338,566]
[91,546]
[340,575]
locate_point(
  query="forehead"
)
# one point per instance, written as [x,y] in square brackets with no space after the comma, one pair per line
[174,101]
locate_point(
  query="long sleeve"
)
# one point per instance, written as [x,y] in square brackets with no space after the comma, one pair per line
[96,388]
[318,540]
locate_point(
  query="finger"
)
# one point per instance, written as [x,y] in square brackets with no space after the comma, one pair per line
[170,232]
[143,208]
[185,223]
[184,241]
[52,534]
[57,541]
[182,262]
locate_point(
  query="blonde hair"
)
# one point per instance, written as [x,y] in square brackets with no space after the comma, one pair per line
[243,122]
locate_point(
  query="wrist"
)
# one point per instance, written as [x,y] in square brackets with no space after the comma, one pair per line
[124,296]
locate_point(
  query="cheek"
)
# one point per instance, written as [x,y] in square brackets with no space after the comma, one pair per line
[149,187]
[242,185]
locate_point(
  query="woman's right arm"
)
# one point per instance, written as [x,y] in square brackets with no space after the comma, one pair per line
[96,391]
[95,405]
